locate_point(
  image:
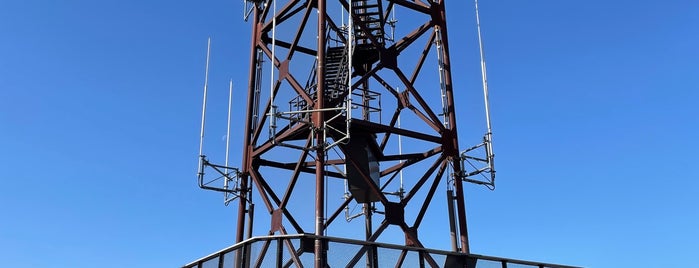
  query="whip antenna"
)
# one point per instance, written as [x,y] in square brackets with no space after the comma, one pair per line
[488,139]
[221,170]
[483,71]
[203,109]
[228,130]
[487,144]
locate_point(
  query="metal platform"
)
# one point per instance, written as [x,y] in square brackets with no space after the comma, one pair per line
[297,251]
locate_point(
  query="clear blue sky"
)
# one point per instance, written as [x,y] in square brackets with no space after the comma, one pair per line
[594,108]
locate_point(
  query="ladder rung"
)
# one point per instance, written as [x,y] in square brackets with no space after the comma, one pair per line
[362,5]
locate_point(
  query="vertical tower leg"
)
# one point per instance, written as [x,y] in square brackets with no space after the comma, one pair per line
[247,158]
[368,232]
[318,120]
[453,152]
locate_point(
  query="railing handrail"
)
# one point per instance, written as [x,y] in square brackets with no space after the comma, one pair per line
[367,243]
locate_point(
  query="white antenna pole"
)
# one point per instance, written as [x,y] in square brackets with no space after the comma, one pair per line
[272,107]
[393,23]
[349,22]
[483,72]
[228,130]
[350,29]
[203,108]
[488,139]
[442,78]
[274,48]
[400,152]
[350,41]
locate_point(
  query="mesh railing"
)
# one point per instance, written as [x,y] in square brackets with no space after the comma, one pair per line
[297,251]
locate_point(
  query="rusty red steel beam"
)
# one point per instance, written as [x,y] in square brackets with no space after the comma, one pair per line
[300,31]
[406,41]
[390,179]
[452,152]
[423,57]
[434,121]
[291,248]
[246,164]
[264,116]
[295,175]
[263,254]
[285,44]
[385,84]
[406,156]
[414,5]
[392,123]
[280,15]
[266,192]
[337,212]
[299,90]
[268,145]
[257,178]
[358,256]
[379,128]
[424,118]
[328,162]
[413,238]
[268,163]
[318,118]
[409,162]
[430,194]
[421,181]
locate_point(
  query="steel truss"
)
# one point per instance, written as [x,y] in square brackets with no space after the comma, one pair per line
[320,129]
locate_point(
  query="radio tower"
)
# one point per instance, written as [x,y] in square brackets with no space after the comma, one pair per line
[350,134]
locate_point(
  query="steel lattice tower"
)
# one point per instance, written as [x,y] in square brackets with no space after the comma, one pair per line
[329,83]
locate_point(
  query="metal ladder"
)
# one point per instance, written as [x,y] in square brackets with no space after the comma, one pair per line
[369,14]
[336,72]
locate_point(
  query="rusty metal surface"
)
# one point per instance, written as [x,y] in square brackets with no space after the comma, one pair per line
[377,68]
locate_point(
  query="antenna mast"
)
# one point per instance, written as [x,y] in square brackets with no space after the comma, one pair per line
[487,144]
